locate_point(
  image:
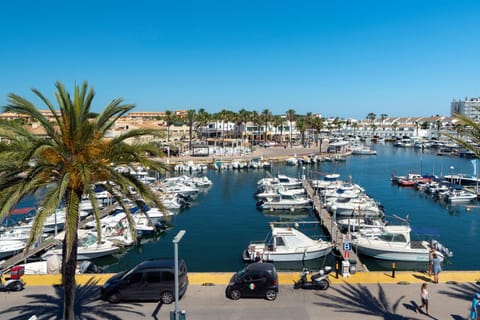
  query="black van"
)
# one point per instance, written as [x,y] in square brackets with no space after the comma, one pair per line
[151,280]
[258,280]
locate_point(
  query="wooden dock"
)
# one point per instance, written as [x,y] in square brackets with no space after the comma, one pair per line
[22,257]
[331,226]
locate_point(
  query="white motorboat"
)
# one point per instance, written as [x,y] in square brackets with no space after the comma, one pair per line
[363,150]
[287,244]
[361,206]
[269,191]
[455,196]
[286,181]
[292,161]
[88,247]
[394,243]
[286,201]
[9,248]
[355,224]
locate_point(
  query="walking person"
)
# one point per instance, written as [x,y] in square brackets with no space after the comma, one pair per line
[436,268]
[430,258]
[424,298]
[474,311]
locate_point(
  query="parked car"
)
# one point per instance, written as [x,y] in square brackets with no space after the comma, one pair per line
[258,280]
[151,280]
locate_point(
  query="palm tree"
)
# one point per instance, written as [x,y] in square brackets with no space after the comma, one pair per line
[371,116]
[202,118]
[470,130]
[291,116]
[75,155]
[266,118]
[190,119]
[278,123]
[241,119]
[395,127]
[302,127]
[257,121]
[223,116]
[383,116]
[355,127]
[317,125]
[309,123]
[438,126]
[169,119]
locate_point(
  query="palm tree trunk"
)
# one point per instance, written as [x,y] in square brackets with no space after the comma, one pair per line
[69,261]
[190,138]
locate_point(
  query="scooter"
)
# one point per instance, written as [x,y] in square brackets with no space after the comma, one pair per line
[318,281]
[11,284]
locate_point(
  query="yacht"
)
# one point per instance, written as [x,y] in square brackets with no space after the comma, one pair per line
[394,243]
[286,244]
[285,201]
[9,248]
[88,247]
[455,196]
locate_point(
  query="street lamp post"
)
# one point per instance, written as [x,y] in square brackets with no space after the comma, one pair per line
[451,174]
[175,241]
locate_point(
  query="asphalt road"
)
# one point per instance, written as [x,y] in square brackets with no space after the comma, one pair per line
[341,301]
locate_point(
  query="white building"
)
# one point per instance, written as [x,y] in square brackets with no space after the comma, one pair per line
[469,107]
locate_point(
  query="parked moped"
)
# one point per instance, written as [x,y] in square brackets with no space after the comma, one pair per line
[318,281]
[14,282]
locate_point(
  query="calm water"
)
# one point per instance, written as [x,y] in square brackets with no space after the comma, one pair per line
[223,220]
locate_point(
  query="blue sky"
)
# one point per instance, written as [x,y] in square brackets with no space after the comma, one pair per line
[337,58]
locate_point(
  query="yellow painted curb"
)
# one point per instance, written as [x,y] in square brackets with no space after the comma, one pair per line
[285,278]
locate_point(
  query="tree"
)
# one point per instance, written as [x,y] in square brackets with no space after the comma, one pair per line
[470,133]
[190,119]
[278,123]
[169,119]
[257,121]
[266,118]
[241,119]
[395,127]
[202,118]
[75,155]
[291,116]
[438,126]
[309,123]
[371,116]
[383,116]
[355,127]
[302,127]
[317,125]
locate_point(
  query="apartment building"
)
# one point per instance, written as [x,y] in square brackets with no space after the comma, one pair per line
[469,107]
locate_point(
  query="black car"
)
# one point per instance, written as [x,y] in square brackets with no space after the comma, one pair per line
[257,280]
[151,280]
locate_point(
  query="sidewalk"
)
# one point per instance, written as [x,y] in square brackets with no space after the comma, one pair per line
[208,302]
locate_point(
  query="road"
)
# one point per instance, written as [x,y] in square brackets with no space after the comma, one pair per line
[341,301]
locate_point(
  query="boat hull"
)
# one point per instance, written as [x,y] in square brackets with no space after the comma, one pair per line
[401,253]
[275,256]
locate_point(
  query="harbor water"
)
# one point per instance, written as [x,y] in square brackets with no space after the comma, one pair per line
[223,219]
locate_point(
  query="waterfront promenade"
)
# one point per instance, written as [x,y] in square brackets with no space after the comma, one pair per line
[363,296]
[277,153]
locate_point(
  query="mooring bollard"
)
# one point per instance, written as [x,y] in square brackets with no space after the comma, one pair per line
[393,269]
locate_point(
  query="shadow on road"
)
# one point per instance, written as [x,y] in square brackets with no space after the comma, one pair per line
[462,291]
[360,300]
[87,305]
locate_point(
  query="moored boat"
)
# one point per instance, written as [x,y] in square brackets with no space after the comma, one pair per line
[287,244]
[394,243]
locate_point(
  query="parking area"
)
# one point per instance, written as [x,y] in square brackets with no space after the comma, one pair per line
[202,302]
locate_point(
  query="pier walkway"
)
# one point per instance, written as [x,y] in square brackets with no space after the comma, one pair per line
[331,226]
